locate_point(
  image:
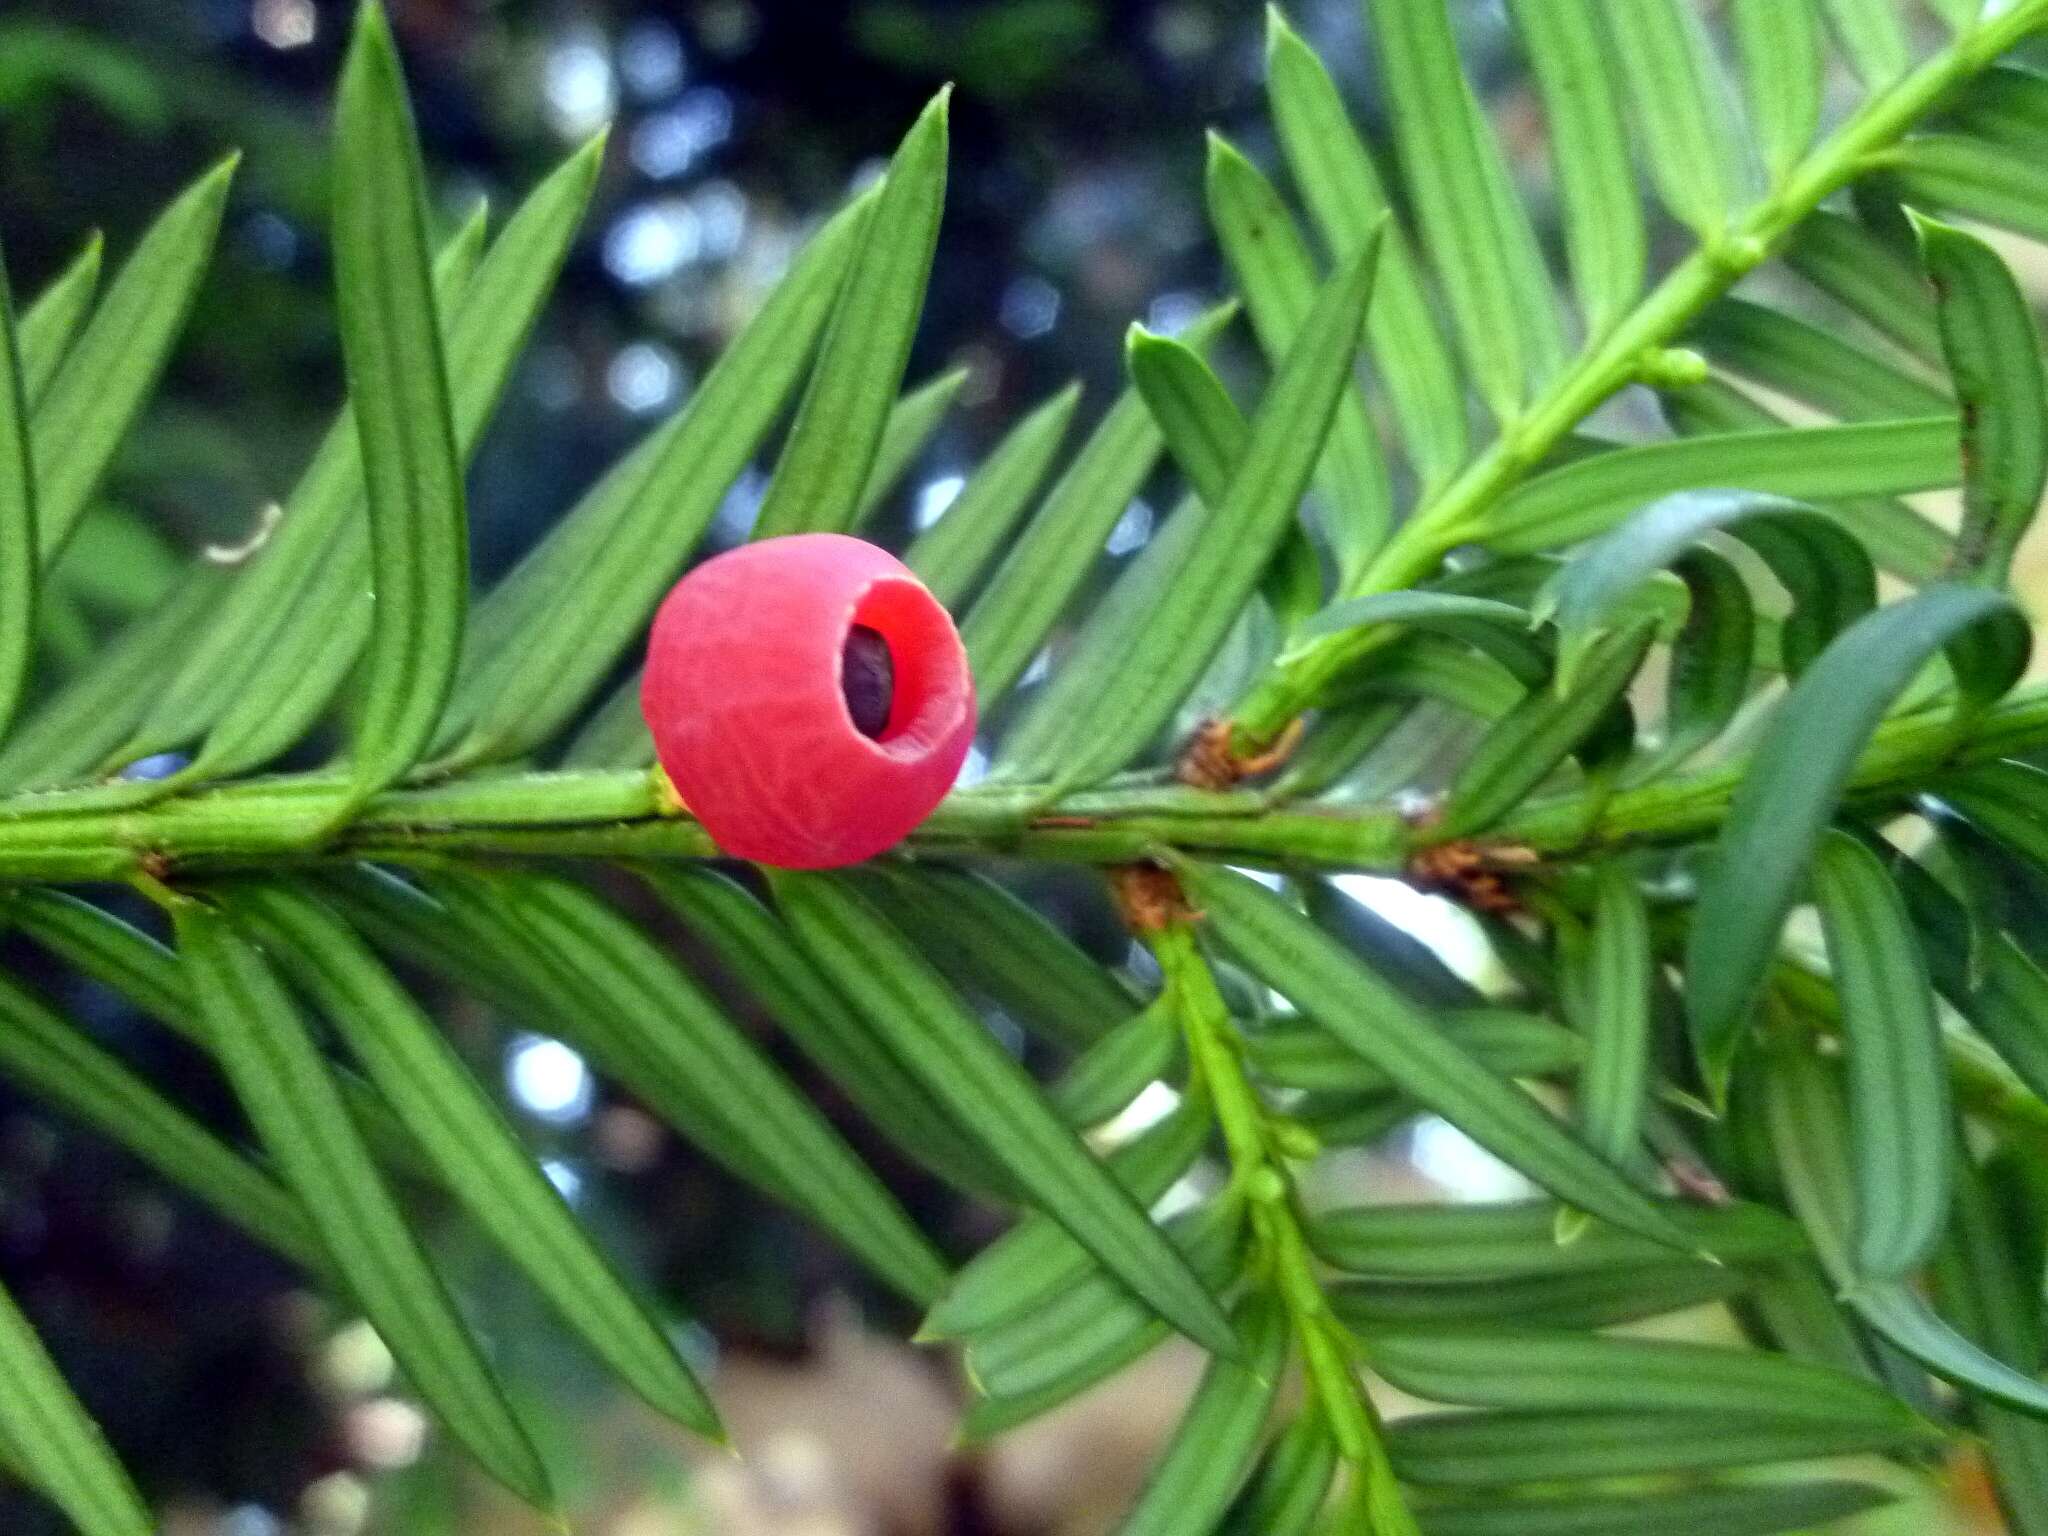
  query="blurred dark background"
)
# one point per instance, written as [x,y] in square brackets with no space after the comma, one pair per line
[1075,207]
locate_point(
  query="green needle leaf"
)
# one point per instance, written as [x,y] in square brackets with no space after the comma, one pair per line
[1291,1486]
[1804,1108]
[1564,1372]
[46,1055]
[1879,458]
[1805,363]
[1668,61]
[1060,543]
[1217,1439]
[1453,172]
[295,623]
[19,569]
[1297,959]
[1993,350]
[1602,210]
[1279,282]
[839,426]
[619,995]
[1898,1077]
[1778,42]
[1792,787]
[1620,969]
[1712,662]
[1867,274]
[1335,172]
[1528,743]
[398,383]
[49,325]
[284,1085]
[1873,39]
[466,1137]
[551,630]
[1982,1282]
[75,729]
[1495,1242]
[1130,670]
[756,948]
[1759,1509]
[912,421]
[930,1031]
[1974,177]
[108,373]
[1500,1449]
[55,1441]
[1036,1259]
[950,555]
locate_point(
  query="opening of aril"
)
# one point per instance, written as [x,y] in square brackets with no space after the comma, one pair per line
[867,677]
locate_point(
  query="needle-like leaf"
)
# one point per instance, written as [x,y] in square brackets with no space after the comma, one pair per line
[398,383]
[51,1437]
[19,568]
[284,1085]
[838,429]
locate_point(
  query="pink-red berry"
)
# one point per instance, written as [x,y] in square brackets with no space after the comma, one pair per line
[809,699]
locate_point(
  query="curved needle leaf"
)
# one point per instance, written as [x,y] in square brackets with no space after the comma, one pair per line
[109,371]
[1294,957]
[1804,1110]
[839,426]
[1790,792]
[49,1433]
[19,568]
[934,1036]
[284,1085]
[398,384]
[478,1154]
[1993,349]
[1898,1076]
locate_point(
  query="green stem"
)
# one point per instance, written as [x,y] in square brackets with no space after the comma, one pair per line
[1299,679]
[1254,1139]
[70,836]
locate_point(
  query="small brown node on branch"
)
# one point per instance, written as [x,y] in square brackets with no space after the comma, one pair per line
[1149,897]
[156,865]
[1476,875]
[1209,762]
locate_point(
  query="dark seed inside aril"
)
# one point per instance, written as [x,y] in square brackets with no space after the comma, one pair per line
[867,676]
